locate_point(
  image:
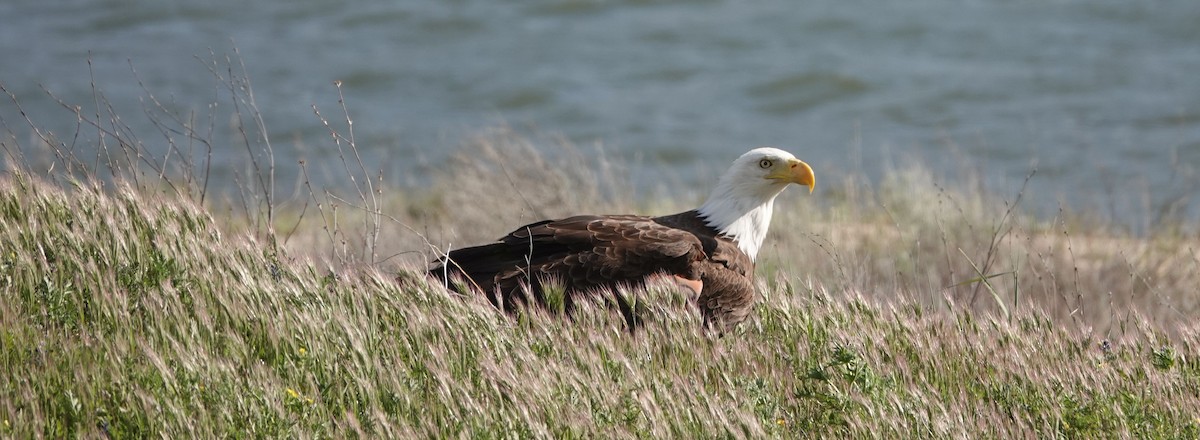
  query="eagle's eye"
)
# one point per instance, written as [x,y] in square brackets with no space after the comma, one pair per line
[765,163]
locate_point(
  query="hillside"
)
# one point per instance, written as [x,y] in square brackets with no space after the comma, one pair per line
[911,311]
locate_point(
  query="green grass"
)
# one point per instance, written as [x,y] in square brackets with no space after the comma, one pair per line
[133,315]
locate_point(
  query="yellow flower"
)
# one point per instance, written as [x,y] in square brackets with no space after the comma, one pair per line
[293,393]
[6,425]
[781,422]
[309,400]
[303,351]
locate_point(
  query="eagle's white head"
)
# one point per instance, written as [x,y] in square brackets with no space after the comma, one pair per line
[740,206]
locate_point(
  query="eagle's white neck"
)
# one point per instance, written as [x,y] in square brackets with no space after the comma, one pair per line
[742,211]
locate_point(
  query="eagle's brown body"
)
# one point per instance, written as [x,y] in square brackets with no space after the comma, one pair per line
[709,251]
[591,254]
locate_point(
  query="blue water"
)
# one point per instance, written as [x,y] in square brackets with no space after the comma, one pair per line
[1102,96]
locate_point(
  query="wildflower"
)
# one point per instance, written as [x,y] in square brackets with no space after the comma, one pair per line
[303,352]
[309,400]
[6,425]
[293,393]
[781,422]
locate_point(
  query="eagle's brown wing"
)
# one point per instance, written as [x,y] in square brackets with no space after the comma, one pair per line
[728,294]
[581,253]
[727,273]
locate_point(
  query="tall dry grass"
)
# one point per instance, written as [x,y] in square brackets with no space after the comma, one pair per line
[167,326]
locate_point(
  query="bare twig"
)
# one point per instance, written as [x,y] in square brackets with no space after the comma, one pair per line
[186,129]
[369,196]
[999,232]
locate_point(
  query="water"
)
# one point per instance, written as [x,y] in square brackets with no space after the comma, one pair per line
[1103,96]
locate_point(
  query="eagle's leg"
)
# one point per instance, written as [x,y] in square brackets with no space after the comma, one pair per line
[693,286]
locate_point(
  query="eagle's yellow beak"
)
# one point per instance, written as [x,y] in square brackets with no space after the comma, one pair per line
[796,172]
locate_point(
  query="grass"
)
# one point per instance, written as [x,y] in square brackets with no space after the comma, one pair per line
[911,309]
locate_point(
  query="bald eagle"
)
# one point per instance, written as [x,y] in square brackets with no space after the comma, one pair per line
[708,251]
